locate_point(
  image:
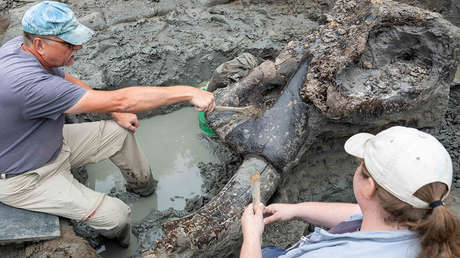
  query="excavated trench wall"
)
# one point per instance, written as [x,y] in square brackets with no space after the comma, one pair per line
[175,42]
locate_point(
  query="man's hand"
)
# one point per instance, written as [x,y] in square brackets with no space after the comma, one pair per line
[279,212]
[203,101]
[126,120]
[253,224]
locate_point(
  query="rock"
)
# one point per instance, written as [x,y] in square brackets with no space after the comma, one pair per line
[19,225]
[232,71]
[68,245]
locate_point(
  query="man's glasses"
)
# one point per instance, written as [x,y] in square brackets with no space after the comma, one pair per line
[67,44]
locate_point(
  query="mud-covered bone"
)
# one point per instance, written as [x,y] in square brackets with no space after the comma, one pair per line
[260,89]
[380,60]
[279,133]
[215,228]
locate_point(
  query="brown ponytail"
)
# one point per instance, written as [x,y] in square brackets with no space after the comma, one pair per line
[438,228]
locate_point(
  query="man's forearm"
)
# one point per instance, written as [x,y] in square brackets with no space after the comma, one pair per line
[141,96]
[326,214]
[131,99]
[138,98]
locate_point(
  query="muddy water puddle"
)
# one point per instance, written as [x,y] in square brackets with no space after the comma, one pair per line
[173,144]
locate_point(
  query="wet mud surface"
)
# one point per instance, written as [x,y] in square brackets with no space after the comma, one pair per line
[170,42]
[450,9]
[149,230]
[215,175]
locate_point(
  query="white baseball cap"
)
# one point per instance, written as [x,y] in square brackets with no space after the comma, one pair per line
[402,160]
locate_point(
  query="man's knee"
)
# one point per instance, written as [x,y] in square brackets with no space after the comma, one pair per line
[113,129]
[111,217]
[120,216]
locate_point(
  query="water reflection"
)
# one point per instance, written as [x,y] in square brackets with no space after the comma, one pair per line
[173,146]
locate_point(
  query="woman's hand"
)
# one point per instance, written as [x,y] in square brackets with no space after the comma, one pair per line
[279,212]
[253,223]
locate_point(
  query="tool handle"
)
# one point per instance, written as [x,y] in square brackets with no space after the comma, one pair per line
[255,184]
[223,108]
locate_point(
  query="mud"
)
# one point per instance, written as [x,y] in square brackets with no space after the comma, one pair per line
[169,42]
[149,230]
[215,175]
[450,9]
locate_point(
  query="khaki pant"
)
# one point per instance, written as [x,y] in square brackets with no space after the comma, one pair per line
[53,189]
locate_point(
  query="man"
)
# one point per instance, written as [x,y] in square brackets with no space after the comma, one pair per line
[37,150]
[403,177]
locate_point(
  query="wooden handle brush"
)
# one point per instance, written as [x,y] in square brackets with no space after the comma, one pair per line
[255,185]
[251,111]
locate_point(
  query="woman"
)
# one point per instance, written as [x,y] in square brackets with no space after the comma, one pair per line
[403,177]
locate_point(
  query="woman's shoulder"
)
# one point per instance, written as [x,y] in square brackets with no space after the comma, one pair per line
[395,243]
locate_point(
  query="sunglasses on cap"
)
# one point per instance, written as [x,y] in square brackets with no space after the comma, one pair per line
[67,44]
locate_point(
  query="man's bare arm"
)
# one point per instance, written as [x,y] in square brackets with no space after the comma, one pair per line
[138,99]
[125,120]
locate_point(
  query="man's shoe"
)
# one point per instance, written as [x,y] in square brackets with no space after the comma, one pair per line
[125,235]
[143,190]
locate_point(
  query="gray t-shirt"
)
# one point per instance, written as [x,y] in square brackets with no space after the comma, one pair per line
[376,244]
[32,105]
